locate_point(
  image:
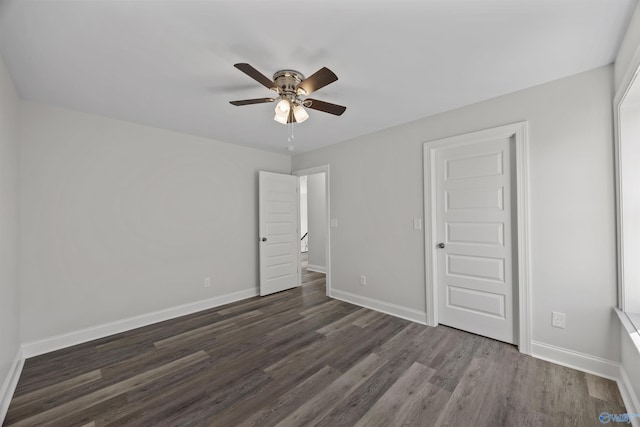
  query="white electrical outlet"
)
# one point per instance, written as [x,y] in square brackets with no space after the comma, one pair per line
[207,282]
[363,280]
[558,319]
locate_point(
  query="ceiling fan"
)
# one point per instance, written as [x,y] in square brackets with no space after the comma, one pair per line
[292,87]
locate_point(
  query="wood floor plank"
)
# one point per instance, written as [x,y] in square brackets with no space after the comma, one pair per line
[322,308]
[300,358]
[344,357]
[371,317]
[425,406]
[322,403]
[198,410]
[45,392]
[385,411]
[275,412]
[205,331]
[88,415]
[343,322]
[109,392]
[473,396]
[602,389]
[454,361]
[191,381]
[410,335]
[360,401]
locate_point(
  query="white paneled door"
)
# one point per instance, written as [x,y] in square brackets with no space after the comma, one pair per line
[279,241]
[473,237]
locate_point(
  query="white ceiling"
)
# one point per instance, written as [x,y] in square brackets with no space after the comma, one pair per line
[169,64]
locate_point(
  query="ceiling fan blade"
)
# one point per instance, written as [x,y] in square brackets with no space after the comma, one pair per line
[325,107]
[251,101]
[318,80]
[255,75]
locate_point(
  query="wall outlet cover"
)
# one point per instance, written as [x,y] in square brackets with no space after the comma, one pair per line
[558,320]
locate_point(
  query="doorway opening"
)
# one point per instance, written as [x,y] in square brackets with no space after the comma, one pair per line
[314,257]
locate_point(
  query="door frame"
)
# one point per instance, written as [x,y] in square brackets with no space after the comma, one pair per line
[522,305]
[327,248]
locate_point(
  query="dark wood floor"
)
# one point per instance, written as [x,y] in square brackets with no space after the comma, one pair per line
[298,358]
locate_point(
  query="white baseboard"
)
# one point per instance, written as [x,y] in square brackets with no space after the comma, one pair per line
[576,360]
[9,384]
[384,307]
[36,348]
[317,268]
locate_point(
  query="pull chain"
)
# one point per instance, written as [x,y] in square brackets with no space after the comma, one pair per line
[291,137]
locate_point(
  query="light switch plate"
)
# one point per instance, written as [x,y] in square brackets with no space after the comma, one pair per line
[417,223]
[334,222]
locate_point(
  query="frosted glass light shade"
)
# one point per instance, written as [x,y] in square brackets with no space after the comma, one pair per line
[281,117]
[283,107]
[300,114]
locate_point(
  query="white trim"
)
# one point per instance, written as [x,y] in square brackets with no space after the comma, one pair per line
[628,79]
[10,383]
[384,307]
[327,249]
[631,401]
[520,133]
[36,348]
[316,268]
[629,328]
[576,360]
[628,396]
[630,75]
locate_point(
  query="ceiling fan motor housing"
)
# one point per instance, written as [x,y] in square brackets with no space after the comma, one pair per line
[287,81]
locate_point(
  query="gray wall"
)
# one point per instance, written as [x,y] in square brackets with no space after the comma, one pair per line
[317,220]
[377,190]
[120,219]
[9,292]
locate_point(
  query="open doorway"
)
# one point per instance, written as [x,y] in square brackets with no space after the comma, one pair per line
[314,228]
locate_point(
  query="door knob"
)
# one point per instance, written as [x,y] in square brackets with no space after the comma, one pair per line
[264,239]
[440,245]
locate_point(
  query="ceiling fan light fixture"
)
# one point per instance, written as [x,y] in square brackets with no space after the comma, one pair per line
[300,113]
[283,107]
[281,118]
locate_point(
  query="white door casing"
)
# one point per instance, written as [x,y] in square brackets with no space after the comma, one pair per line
[278,228]
[476,205]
